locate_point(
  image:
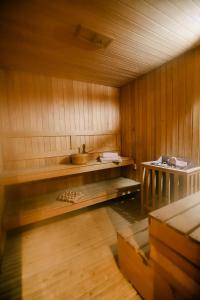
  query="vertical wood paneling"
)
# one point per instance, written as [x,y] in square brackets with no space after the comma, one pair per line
[160,111]
[2,230]
[2,204]
[33,103]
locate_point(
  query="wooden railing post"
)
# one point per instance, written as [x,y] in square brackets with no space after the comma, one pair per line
[143,170]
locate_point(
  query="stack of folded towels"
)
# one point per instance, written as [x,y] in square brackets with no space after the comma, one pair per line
[110,157]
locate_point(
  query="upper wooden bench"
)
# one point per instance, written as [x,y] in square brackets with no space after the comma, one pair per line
[35,174]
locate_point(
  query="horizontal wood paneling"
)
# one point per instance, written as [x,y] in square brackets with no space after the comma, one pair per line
[44,119]
[39,36]
[44,133]
[160,111]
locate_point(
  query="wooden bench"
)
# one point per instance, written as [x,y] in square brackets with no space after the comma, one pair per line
[37,208]
[163,261]
[23,211]
[175,245]
[133,255]
[34,174]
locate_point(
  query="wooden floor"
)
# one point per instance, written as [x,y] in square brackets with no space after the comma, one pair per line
[68,257]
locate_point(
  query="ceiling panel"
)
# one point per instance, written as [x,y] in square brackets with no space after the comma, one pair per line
[39,36]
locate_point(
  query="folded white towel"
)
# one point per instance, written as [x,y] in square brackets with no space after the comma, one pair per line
[110,155]
[107,159]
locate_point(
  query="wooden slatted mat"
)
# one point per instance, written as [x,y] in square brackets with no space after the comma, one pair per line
[67,258]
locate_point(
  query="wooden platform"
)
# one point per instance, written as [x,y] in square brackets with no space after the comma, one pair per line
[68,257]
[178,227]
[175,247]
[171,270]
[26,211]
[28,175]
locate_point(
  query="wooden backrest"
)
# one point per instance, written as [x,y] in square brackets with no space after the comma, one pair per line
[43,118]
[23,150]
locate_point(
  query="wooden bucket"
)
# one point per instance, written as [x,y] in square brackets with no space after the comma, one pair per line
[80,158]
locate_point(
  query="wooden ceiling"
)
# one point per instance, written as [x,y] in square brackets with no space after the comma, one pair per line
[39,36]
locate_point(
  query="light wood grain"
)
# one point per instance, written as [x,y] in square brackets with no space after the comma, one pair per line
[158,247]
[160,112]
[163,185]
[172,281]
[44,119]
[171,246]
[196,234]
[2,214]
[133,251]
[21,212]
[35,174]
[170,211]
[192,216]
[174,224]
[69,258]
[40,37]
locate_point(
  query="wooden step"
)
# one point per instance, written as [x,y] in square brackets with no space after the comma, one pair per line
[133,254]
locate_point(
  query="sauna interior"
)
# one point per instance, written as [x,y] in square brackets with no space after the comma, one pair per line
[99,149]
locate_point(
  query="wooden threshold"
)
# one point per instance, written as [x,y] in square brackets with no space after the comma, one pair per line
[34,174]
[26,211]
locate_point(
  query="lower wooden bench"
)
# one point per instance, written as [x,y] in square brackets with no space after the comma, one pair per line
[21,212]
[133,255]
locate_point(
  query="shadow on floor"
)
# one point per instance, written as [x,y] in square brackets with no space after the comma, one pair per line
[128,207]
[11,268]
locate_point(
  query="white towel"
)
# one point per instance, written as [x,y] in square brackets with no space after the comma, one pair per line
[110,155]
[110,158]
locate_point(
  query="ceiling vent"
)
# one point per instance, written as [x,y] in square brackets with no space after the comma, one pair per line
[92,38]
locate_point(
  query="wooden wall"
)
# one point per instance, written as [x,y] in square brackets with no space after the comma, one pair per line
[43,119]
[160,111]
[2,231]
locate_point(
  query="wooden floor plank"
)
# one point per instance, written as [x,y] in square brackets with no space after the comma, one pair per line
[69,257]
